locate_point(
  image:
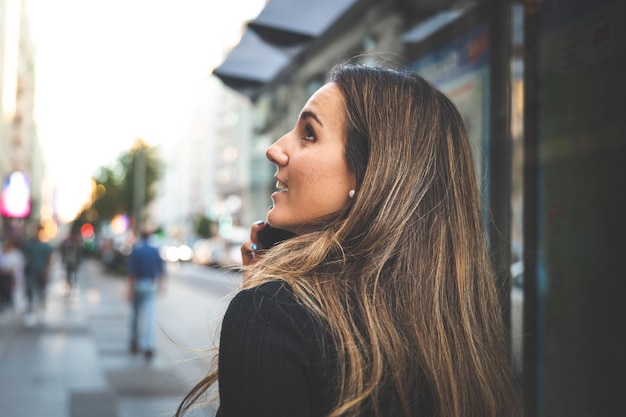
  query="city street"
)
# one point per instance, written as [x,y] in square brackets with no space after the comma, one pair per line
[75,362]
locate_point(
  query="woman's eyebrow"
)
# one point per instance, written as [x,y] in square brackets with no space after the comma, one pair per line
[307,113]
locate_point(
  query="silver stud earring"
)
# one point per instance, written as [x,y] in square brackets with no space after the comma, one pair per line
[351,193]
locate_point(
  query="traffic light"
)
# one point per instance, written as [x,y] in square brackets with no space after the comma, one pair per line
[86,231]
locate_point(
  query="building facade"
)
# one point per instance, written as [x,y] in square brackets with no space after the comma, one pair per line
[20,151]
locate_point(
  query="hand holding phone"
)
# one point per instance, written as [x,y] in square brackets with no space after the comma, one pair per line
[271,236]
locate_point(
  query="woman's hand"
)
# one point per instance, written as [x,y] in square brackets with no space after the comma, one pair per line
[250,249]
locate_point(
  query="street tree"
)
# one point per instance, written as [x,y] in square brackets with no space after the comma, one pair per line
[116,187]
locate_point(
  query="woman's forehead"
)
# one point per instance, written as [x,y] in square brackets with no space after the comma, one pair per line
[327,100]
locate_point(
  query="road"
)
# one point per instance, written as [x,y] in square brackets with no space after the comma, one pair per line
[188,316]
[75,361]
[190,311]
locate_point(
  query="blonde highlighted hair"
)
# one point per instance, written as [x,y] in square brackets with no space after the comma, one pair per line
[401,279]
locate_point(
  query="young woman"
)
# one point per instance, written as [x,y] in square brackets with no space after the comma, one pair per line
[383,303]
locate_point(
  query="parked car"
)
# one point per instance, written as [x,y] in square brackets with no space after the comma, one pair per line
[176,252]
[207,251]
[217,252]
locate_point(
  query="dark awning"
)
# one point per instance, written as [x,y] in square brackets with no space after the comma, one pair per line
[251,64]
[433,24]
[294,22]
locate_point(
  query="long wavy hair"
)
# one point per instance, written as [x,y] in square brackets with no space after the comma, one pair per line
[402,279]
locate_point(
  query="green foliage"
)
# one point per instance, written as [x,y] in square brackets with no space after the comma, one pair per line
[204,227]
[130,163]
[108,201]
[114,191]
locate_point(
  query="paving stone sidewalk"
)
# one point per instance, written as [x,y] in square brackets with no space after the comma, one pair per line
[75,362]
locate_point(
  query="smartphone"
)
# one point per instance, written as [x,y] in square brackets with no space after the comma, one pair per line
[270,236]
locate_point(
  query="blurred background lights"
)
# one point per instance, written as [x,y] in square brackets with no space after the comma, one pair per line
[86,230]
[229,154]
[119,224]
[15,199]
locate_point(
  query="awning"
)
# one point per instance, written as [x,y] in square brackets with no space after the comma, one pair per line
[280,33]
[251,64]
[433,24]
[296,22]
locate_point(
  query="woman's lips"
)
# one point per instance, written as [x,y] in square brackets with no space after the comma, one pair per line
[281,186]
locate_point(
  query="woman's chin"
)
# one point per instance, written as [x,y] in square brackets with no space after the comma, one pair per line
[275,221]
[273,218]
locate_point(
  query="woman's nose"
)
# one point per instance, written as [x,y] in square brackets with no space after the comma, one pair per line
[276,153]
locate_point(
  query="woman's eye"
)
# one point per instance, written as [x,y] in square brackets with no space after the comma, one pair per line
[308,133]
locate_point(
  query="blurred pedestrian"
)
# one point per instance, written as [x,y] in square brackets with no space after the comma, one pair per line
[11,275]
[71,256]
[38,255]
[146,276]
[107,254]
[384,301]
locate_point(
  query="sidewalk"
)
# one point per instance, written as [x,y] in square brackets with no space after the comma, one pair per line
[75,361]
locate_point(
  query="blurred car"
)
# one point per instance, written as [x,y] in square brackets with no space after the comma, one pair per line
[230,256]
[176,252]
[217,252]
[207,251]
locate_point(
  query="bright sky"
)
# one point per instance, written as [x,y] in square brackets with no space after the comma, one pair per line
[110,71]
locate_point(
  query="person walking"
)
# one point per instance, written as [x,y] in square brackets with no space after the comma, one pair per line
[38,256]
[146,276]
[71,256]
[384,301]
[11,275]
